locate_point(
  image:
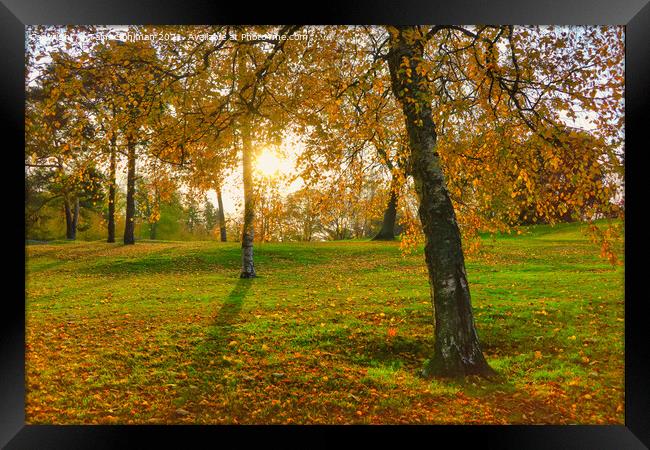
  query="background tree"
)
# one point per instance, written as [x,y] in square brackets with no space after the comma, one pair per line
[302,214]
[210,216]
[59,143]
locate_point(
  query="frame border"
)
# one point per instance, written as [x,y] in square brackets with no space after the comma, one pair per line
[635,14]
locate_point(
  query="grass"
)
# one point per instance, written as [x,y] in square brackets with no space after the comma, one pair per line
[166,332]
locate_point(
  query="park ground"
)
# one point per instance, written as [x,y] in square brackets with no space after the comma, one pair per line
[335,332]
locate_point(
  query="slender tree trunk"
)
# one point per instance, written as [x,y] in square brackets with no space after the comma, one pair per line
[71,218]
[221,215]
[68,218]
[75,218]
[387,232]
[152,230]
[248,231]
[111,193]
[129,226]
[248,268]
[457,350]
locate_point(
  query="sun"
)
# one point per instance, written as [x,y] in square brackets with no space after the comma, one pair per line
[269,164]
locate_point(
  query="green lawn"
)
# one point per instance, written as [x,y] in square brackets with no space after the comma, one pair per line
[165,332]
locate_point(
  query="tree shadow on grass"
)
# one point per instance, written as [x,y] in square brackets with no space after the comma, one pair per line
[230,309]
[166,260]
[400,353]
[211,358]
[40,266]
[79,292]
[408,354]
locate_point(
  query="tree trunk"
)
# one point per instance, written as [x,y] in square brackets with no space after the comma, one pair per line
[306,232]
[248,268]
[75,218]
[387,232]
[457,350]
[129,226]
[71,218]
[222,217]
[111,193]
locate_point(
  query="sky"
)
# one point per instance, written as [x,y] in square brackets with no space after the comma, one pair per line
[268,163]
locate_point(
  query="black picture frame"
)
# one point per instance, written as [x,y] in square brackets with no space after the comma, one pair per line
[15,14]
